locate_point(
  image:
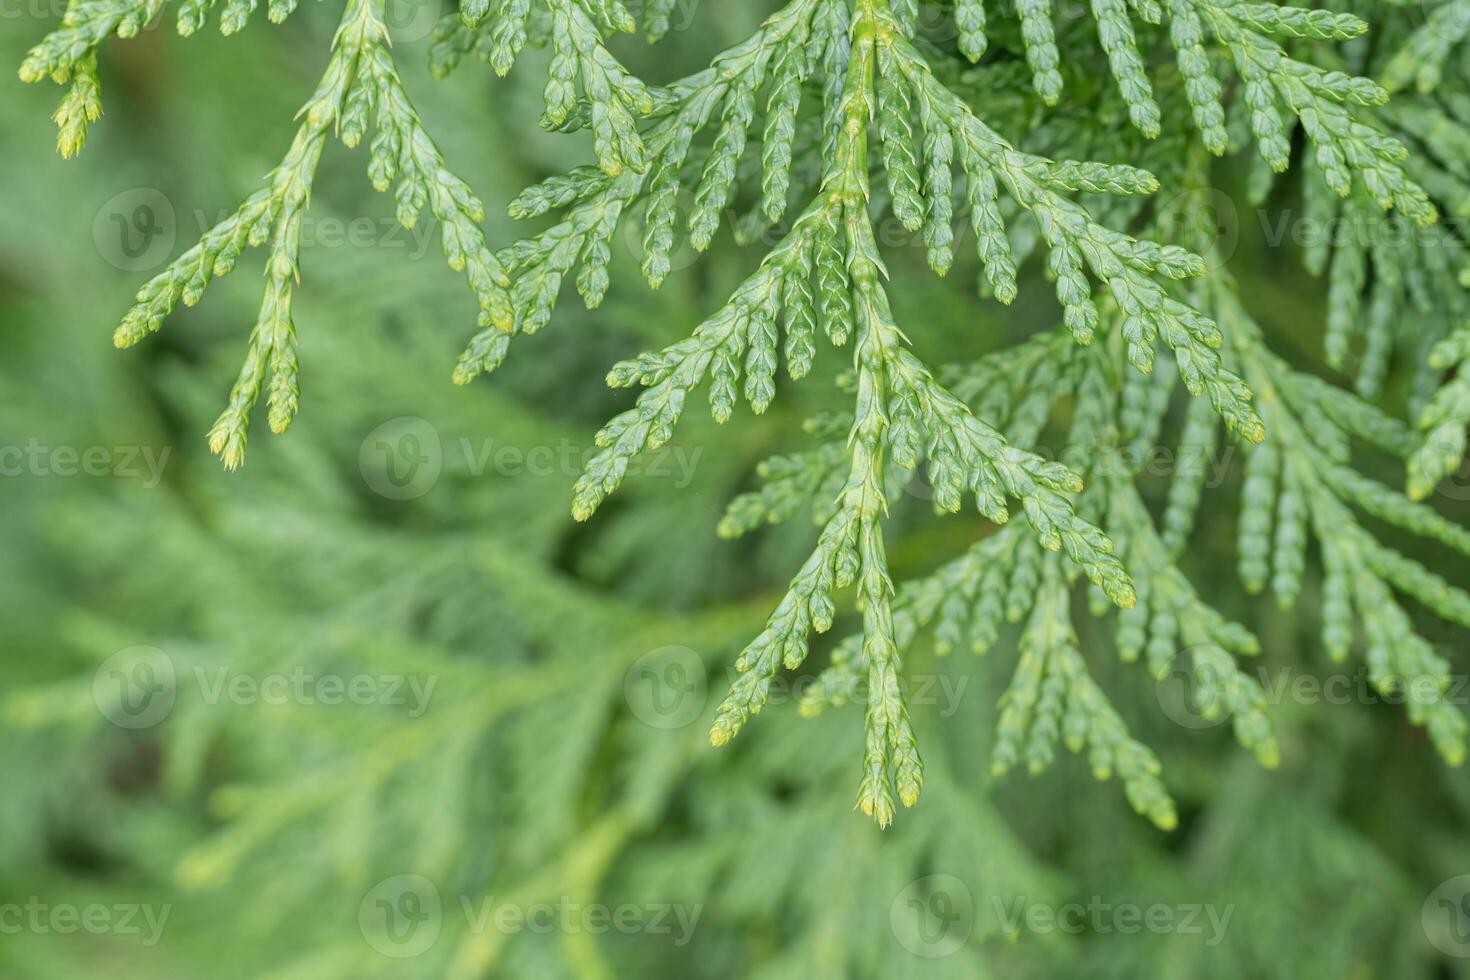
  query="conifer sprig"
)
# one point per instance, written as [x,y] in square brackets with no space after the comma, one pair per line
[1445,420]
[596,204]
[587,86]
[1005,578]
[359,88]
[826,273]
[1395,292]
[68,56]
[1133,270]
[1052,696]
[1422,58]
[899,407]
[857,119]
[1274,84]
[1304,485]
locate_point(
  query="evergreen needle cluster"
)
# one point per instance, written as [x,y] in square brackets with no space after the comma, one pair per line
[837,116]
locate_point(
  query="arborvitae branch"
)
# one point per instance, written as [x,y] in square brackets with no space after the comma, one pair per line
[856,117]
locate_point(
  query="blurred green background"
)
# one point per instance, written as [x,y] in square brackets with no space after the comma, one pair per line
[404,718]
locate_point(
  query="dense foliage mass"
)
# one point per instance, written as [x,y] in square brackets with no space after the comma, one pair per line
[1098,172]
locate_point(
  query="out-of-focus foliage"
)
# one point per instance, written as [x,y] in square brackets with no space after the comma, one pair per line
[547,743]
